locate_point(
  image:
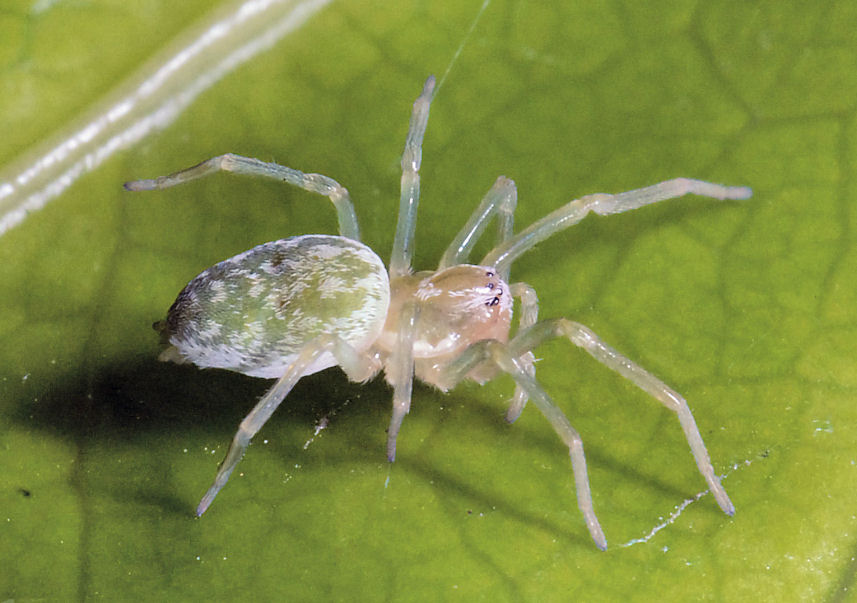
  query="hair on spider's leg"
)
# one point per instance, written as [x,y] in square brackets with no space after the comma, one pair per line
[356,366]
[237,164]
[501,201]
[400,257]
[490,350]
[503,255]
[583,337]
[400,372]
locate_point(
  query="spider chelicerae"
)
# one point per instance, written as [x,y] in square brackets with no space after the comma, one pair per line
[290,308]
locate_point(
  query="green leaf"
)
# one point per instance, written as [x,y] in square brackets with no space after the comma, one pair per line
[746,308]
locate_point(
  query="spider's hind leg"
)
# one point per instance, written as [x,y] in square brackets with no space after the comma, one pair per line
[357,366]
[237,164]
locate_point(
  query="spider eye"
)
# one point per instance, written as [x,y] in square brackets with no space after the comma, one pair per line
[495,290]
[498,294]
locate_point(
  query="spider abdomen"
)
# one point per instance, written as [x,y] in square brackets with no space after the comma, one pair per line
[254,312]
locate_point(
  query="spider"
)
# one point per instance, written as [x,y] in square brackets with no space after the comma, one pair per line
[290,308]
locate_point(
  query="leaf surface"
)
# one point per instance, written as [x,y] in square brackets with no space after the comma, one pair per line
[747,308]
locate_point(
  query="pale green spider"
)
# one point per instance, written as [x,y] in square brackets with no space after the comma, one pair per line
[293,307]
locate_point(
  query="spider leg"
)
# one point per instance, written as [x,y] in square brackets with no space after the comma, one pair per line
[400,258]
[400,372]
[357,366]
[502,256]
[500,200]
[490,350]
[529,316]
[583,337]
[314,183]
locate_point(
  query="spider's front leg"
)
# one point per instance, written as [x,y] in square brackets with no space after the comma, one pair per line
[508,361]
[499,202]
[505,253]
[529,315]
[583,337]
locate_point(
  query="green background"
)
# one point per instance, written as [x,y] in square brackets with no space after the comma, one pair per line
[746,308]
